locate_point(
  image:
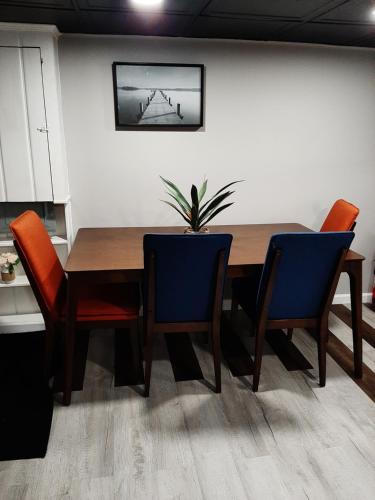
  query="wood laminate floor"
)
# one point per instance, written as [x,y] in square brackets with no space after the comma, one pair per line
[291,440]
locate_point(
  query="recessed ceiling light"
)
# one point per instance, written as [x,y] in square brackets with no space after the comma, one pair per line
[372,13]
[147,3]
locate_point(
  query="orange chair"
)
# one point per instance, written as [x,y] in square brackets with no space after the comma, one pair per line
[341,217]
[98,306]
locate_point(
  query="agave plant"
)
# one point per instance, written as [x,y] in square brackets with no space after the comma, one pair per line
[196,213]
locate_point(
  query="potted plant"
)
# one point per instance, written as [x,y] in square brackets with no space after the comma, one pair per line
[196,213]
[8,261]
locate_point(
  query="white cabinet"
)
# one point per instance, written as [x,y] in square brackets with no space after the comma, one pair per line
[24,149]
[30,99]
[32,150]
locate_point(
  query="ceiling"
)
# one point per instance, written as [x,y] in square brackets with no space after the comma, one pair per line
[337,22]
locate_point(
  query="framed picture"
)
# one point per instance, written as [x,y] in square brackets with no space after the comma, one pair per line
[158,95]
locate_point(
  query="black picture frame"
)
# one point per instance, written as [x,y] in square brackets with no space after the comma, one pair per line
[175,118]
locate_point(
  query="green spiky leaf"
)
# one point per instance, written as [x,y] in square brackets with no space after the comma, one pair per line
[214,204]
[194,218]
[194,197]
[177,210]
[216,213]
[182,200]
[202,190]
[220,191]
[174,197]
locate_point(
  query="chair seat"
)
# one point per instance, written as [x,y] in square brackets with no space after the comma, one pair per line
[107,302]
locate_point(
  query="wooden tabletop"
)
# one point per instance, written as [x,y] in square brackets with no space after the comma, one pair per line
[121,248]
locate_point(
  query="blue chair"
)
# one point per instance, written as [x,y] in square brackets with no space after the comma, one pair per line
[296,288]
[183,288]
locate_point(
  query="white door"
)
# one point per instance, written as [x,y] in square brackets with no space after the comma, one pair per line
[25,171]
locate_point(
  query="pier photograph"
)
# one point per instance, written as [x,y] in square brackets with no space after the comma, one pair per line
[160,95]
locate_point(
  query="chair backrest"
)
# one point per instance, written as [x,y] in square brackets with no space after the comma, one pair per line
[186,269]
[305,272]
[341,217]
[40,260]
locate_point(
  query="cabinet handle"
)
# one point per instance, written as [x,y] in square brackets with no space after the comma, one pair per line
[43,129]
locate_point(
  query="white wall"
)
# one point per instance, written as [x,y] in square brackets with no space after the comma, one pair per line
[296,122]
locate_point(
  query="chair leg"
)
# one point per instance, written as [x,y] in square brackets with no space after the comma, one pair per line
[143,333]
[215,335]
[69,340]
[322,354]
[259,341]
[148,361]
[141,336]
[290,333]
[234,309]
[68,365]
[355,277]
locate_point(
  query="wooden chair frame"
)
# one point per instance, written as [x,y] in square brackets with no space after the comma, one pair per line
[319,323]
[213,326]
[55,327]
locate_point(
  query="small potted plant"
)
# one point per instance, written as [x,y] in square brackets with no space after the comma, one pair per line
[196,213]
[8,261]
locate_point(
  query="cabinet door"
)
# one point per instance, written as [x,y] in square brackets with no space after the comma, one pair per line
[24,154]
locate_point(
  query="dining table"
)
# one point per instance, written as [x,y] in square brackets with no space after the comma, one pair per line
[115,255]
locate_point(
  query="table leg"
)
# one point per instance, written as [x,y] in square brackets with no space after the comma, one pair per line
[355,275]
[69,341]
